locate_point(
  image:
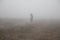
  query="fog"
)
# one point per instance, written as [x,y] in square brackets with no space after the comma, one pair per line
[23,8]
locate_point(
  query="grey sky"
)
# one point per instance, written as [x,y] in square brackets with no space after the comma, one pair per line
[23,8]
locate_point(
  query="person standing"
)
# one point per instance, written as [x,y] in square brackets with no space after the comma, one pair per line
[31,17]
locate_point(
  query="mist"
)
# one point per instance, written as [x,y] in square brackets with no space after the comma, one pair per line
[22,8]
[29,19]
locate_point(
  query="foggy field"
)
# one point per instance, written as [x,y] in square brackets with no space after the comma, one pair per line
[37,30]
[29,19]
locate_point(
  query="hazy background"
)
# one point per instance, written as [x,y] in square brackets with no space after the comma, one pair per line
[23,8]
[44,26]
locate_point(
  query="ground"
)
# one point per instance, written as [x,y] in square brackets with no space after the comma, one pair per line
[37,30]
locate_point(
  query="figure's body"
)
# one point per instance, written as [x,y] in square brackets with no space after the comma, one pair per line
[31,17]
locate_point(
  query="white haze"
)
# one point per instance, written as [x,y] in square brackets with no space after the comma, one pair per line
[23,8]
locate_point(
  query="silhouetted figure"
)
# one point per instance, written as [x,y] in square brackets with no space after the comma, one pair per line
[31,17]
